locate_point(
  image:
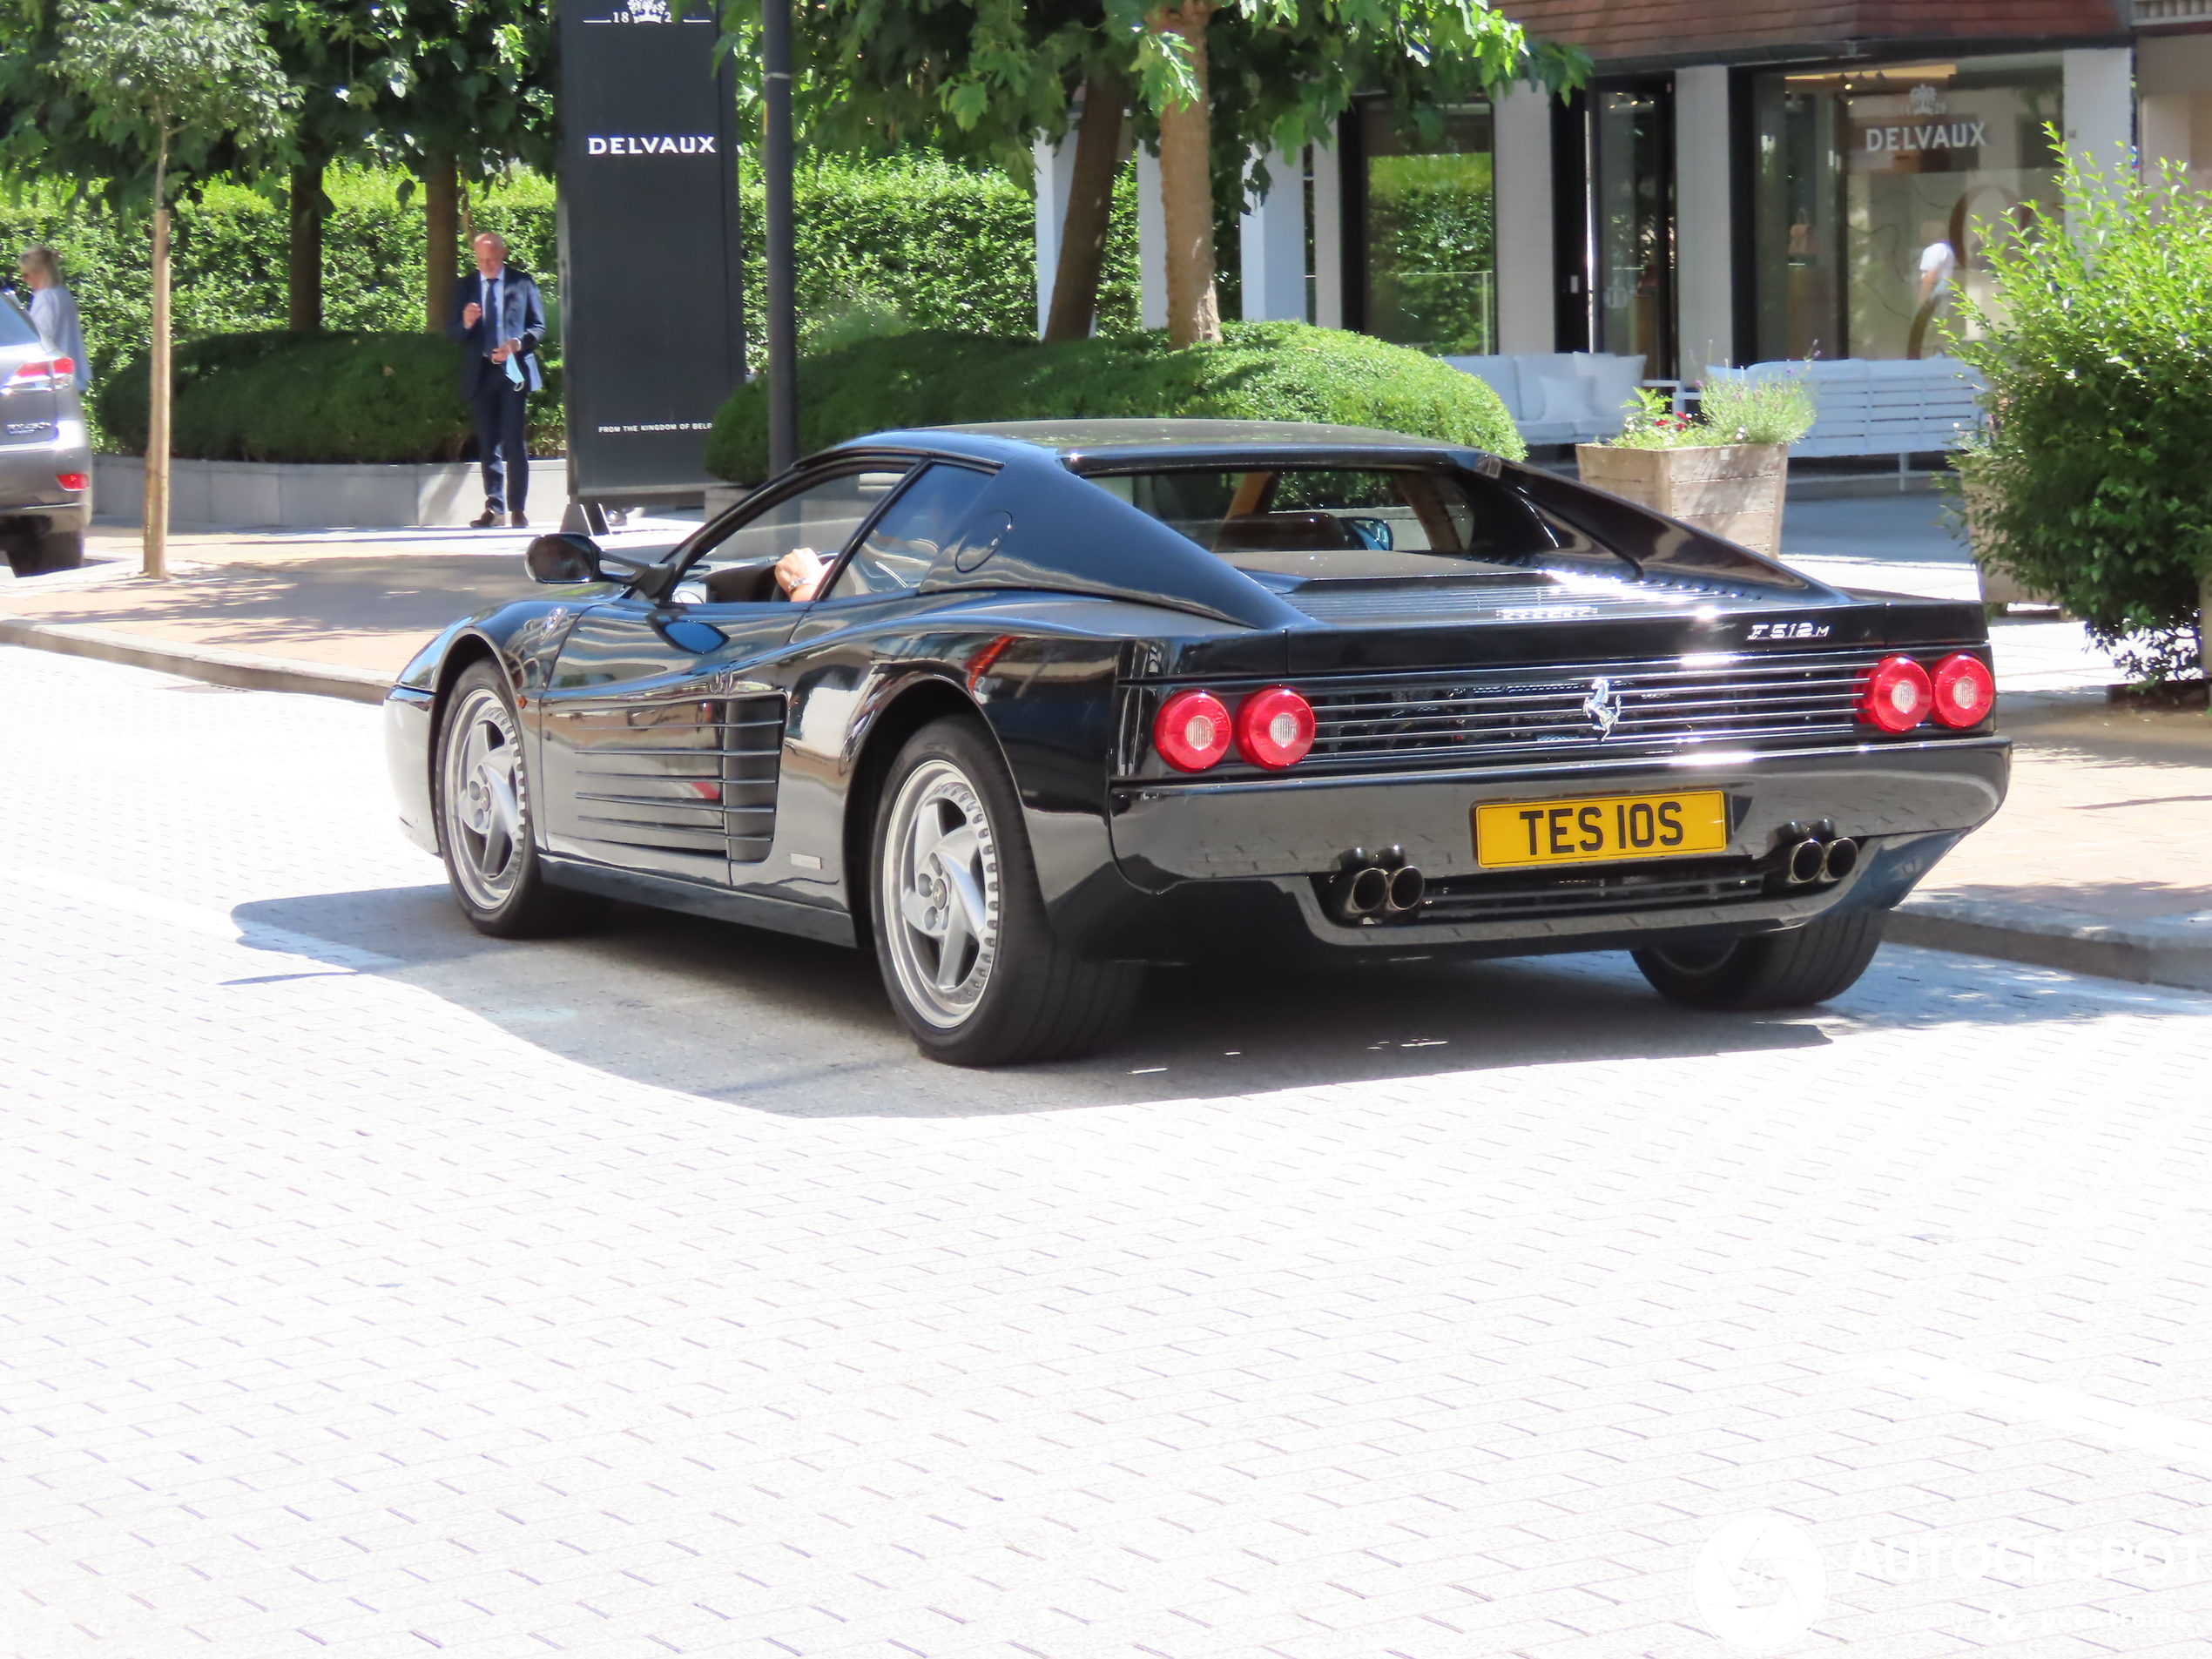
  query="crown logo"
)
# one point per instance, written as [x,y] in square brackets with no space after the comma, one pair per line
[1926,100]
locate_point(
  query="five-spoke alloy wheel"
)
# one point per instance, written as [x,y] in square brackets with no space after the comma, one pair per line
[940,893]
[483,813]
[966,952]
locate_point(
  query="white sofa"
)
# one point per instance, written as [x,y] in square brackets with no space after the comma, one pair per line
[1561,397]
[1863,406]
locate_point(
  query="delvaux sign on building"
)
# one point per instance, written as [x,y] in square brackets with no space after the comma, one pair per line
[652,328]
[1916,131]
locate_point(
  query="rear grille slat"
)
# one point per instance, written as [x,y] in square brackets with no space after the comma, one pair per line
[1528,897]
[1667,703]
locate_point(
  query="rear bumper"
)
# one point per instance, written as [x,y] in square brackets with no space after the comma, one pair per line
[29,498]
[1232,866]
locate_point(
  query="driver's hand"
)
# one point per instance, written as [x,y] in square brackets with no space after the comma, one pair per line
[798,573]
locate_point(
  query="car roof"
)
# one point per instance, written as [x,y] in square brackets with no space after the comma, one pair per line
[1113,445]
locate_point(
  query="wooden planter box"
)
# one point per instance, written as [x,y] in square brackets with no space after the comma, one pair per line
[1732,490]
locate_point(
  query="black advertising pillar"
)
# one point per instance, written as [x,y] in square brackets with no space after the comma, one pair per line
[652,307]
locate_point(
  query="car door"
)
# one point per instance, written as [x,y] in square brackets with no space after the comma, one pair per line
[662,723]
[839,642]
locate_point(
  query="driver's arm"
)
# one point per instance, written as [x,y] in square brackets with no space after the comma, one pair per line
[798,573]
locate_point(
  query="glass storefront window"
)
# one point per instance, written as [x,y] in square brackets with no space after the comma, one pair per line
[1632,167]
[1874,187]
[1429,233]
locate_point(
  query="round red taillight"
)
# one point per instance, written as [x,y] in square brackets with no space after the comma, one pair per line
[1965,691]
[1275,728]
[1192,731]
[1895,695]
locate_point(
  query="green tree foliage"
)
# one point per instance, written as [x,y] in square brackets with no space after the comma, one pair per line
[981,77]
[2098,353]
[1260,371]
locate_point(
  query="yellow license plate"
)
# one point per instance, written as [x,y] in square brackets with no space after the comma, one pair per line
[1603,828]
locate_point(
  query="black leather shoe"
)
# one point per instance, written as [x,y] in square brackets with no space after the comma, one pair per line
[484,520]
[518,522]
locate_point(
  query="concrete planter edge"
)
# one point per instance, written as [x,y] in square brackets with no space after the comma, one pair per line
[259,494]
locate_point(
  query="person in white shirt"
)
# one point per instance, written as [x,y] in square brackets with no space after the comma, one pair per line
[53,312]
[1938,260]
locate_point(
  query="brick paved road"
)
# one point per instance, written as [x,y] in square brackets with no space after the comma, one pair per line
[372,1290]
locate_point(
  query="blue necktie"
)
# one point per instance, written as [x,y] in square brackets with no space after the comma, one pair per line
[496,297]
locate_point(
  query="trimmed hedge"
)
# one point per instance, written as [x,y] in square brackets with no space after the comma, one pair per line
[228,251]
[1262,371]
[915,241]
[327,397]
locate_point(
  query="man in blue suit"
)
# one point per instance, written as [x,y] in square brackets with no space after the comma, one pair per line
[498,321]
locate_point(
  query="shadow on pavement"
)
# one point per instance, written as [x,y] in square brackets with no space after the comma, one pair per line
[783,1025]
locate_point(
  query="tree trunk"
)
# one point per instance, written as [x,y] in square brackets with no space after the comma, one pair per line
[441,215]
[155,542]
[1186,189]
[2204,624]
[1090,207]
[303,270]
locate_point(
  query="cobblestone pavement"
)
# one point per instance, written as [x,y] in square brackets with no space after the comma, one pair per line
[371,1288]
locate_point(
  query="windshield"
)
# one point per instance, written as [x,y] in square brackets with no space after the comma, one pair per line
[1336,524]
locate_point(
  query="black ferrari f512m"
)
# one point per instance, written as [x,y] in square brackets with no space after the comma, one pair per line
[1076,697]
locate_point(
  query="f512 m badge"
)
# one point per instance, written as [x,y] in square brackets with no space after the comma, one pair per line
[1767,630]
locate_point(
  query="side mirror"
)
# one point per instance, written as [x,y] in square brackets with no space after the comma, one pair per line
[564,556]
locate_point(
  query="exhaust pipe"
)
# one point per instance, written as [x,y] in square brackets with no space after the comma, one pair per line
[1369,887]
[1362,892]
[1407,887]
[1804,865]
[1816,853]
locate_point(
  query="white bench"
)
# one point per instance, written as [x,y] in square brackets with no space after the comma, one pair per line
[1863,406]
[1561,397]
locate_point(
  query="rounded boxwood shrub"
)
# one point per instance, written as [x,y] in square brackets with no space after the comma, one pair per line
[326,397]
[1262,371]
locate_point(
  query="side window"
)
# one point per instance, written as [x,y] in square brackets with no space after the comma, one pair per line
[823,516]
[908,538]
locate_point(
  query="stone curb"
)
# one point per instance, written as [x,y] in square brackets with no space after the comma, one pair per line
[2165,951]
[217,665]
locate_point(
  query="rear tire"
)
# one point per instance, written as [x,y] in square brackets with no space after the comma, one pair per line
[971,964]
[61,551]
[1785,970]
[30,553]
[485,815]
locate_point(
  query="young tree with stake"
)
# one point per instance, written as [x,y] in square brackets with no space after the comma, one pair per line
[163,79]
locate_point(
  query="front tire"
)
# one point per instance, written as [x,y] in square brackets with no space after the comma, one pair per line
[483,808]
[971,963]
[1786,970]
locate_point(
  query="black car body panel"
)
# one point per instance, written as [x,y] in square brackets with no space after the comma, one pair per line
[722,757]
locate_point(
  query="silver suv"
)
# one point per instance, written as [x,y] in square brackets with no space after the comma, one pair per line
[46,464]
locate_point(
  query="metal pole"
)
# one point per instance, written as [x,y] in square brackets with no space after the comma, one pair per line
[775,173]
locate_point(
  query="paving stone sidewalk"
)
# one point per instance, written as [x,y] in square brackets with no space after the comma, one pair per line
[2097,863]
